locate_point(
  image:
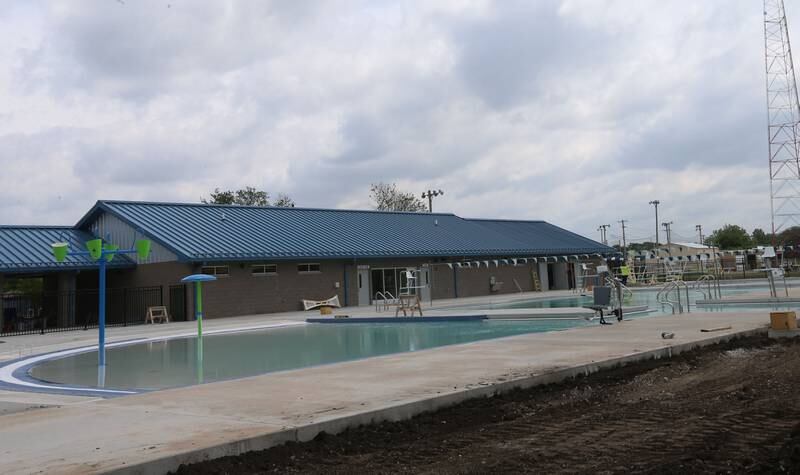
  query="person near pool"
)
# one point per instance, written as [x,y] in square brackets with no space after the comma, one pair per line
[624,272]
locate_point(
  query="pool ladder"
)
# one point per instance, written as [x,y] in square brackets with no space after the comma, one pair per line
[384,298]
[664,296]
[713,290]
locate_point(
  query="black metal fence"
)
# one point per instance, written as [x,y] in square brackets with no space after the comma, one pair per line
[73,310]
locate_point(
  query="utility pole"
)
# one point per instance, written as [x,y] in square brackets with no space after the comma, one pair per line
[699,229]
[656,203]
[602,230]
[430,194]
[668,228]
[624,244]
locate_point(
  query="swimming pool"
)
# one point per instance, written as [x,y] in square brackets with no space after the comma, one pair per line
[177,362]
[639,297]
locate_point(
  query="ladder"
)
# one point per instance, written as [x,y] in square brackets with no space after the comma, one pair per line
[537,286]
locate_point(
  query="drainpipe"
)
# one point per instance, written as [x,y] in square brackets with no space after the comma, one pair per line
[346,293]
[455,280]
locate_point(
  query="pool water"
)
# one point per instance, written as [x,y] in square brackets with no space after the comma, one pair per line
[175,362]
[638,298]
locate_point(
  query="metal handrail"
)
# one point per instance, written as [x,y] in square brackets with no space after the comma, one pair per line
[385,297]
[662,297]
[712,285]
[613,282]
[680,283]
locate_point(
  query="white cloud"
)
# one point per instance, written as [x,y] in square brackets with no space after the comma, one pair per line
[578,112]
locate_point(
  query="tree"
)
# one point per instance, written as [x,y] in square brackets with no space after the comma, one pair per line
[789,236]
[760,238]
[386,197]
[220,198]
[283,201]
[247,196]
[641,246]
[730,236]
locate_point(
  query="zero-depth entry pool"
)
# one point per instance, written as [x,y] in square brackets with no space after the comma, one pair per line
[176,362]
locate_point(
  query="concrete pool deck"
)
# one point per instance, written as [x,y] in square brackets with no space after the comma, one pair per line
[155,432]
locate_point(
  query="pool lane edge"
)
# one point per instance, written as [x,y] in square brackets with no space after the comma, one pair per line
[407,410]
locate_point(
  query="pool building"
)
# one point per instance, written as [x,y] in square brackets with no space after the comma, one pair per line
[267,259]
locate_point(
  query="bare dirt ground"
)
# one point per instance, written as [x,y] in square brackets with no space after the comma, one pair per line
[730,408]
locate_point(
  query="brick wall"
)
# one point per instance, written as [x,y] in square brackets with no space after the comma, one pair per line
[474,282]
[242,293]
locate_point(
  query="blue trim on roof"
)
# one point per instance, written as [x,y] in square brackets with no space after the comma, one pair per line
[223,233]
[552,238]
[27,249]
[101,206]
[212,233]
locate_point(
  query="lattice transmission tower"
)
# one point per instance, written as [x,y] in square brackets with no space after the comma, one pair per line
[783,108]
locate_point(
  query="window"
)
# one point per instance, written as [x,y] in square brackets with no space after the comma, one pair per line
[308,268]
[218,271]
[392,280]
[264,269]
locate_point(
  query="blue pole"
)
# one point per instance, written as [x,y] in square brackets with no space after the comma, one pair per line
[101,312]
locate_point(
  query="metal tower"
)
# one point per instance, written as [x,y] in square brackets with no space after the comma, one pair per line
[783,109]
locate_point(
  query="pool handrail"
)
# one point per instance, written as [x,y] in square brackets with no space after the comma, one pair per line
[386,298]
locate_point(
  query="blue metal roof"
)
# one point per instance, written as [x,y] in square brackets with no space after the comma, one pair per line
[545,236]
[26,249]
[199,232]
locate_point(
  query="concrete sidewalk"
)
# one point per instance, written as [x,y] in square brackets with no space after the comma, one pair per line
[155,432]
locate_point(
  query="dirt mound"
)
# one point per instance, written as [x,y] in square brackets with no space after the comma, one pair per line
[731,408]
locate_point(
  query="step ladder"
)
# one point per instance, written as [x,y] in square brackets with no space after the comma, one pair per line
[537,287]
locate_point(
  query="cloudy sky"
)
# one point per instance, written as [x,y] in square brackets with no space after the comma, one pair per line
[578,112]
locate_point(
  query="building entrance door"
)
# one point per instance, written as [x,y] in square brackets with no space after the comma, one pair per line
[363,286]
[424,280]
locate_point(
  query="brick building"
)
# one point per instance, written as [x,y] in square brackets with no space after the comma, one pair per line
[268,259]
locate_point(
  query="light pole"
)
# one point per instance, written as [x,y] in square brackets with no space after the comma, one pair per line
[668,228]
[602,230]
[430,194]
[656,203]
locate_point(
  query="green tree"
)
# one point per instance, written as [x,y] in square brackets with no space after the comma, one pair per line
[641,246]
[224,197]
[247,196]
[386,197]
[760,238]
[283,201]
[730,236]
[789,236]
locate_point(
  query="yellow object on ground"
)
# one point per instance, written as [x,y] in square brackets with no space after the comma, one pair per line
[325,310]
[783,320]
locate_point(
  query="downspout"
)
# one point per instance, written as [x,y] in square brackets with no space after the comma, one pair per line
[346,293]
[455,280]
